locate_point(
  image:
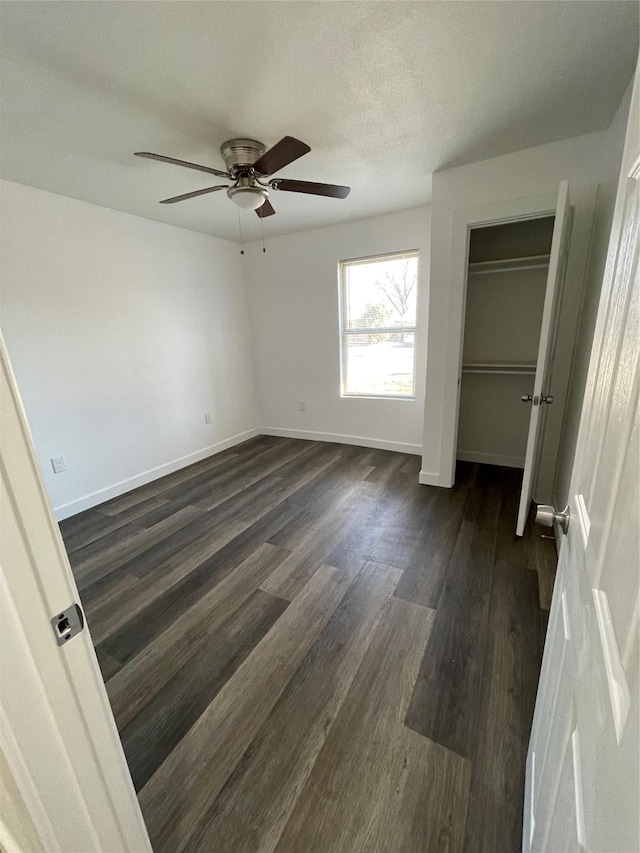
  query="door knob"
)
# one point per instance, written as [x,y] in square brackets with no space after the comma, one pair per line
[547,517]
[526,398]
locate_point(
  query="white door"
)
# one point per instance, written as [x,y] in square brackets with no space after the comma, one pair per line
[71,788]
[583,767]
[544,365]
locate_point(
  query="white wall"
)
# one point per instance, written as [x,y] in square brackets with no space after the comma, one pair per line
[585,161]
[122,333]
[294,310]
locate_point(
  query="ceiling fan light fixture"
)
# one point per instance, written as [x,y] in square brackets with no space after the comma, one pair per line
[248,198]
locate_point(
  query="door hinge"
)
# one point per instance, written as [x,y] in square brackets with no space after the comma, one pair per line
[67,624]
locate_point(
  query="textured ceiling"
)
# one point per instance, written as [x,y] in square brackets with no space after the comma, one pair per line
[384,93]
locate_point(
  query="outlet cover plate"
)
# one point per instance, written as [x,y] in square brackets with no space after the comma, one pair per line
[58,464]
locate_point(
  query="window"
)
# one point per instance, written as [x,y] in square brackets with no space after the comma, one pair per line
[378,299]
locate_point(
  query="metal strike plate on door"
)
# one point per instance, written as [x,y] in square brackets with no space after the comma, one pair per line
[67,624]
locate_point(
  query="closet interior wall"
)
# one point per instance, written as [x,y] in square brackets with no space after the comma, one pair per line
[506,284]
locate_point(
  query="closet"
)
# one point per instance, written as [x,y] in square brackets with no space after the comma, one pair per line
[506,283]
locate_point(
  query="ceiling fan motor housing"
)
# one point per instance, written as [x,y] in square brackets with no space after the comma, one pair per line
[240,154]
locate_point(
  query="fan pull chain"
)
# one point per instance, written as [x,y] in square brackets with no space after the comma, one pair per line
[262,229]
[240,230]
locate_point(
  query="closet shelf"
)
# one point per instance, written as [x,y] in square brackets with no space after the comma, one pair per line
[500,367]
[533,262]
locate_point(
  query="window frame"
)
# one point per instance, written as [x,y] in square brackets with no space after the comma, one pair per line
[345,333]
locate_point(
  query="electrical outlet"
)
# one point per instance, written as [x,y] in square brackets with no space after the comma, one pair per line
[302,406]
[207,417]
[58,464]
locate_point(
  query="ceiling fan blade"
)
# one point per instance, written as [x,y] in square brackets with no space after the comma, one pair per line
[265,210]
[284,152]
[193,194]
[185,163]
[311,187]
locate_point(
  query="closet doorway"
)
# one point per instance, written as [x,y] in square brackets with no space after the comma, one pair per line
[513,295]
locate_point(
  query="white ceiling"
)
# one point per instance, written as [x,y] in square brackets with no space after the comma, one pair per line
[385,93]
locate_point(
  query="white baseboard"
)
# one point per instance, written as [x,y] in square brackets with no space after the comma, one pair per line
[432,478]
[490,459]
[338,438]
[117,489]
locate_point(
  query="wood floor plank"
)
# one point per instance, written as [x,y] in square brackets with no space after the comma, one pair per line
[402,539]
[352,792]
[181,791]
[354,519]
[237,477]
[98,591]
[200,526]
[343,469]
[317,455]
[505,706]
[312,542]
[423,800]
[380,499]
[255,803]
[253,500]
[140,509]
[151,517]
[129,640]
[412,466]
[318,503]
[427,563]
[114,600]
[150,737]
[94,527]
[110,609]
[113,551]
[117,591]
[75,523]
[336,485]
[100,538]
[443,706]
[146,673]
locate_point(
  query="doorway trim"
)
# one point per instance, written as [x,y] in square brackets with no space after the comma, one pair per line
[462,222]
[441,461]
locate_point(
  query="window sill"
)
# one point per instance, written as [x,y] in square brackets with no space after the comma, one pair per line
[402,398]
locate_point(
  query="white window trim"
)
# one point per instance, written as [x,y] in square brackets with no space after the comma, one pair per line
[345,333]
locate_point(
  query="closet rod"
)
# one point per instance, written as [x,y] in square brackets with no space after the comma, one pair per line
[520,369]
[534,262]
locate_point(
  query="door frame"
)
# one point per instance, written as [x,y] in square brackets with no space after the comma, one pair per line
[461,221]
[464,221]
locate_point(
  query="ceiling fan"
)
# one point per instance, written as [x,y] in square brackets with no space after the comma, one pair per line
[250,166]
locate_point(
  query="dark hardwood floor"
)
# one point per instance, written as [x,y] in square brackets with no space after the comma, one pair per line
[308,652]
